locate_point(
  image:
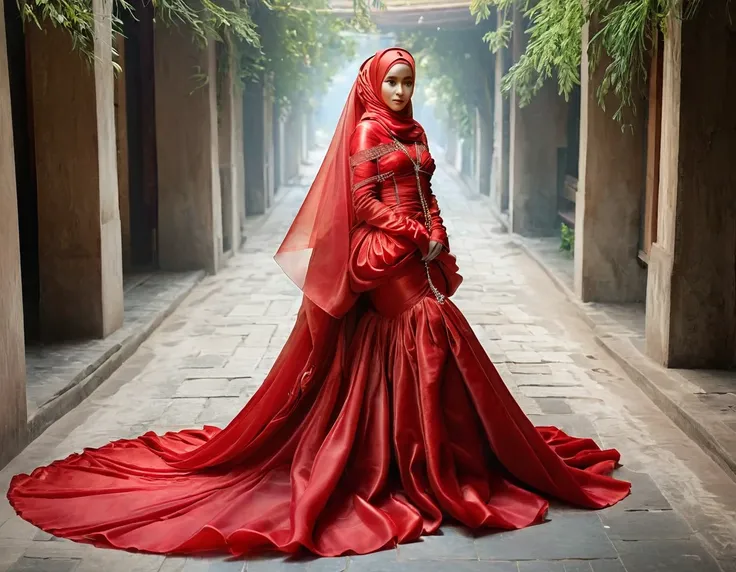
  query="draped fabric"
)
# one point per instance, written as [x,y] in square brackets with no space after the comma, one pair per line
[314,253]
[368,431]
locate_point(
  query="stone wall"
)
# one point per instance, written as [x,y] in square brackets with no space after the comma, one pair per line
[254,128]
[611,177]
[691,294]
[536,132]
[13,414]
[190,219]
[227,149]
[80,249]
[121,144]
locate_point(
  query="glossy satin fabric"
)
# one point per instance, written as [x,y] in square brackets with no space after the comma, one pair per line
[314,253]
[368,431]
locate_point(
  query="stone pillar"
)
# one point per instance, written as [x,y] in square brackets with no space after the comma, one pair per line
[254,145]
[484,166]
[81,294]
[311,132]
[466,156]
[278,146]
[452,145]
[287,147]
[189,209]
[281,148]
[501,133]
[608,201]
[13,363]
[239,184]
[294,146]
[227,151]
[537,130]
[304,122]
[691,289]
[121,145]
[477,150]
[269,152]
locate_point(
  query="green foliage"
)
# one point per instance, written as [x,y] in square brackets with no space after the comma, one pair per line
[500,37]
[626,32]
[452,107]
[567,239]
[301,43]
[205,18]
[554,46]
[74,16]
[295,43]
[449,60]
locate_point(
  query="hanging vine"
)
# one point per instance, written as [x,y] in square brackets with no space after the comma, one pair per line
[449,61]
[206,19]
[294,42]
[625,33]
[301,42]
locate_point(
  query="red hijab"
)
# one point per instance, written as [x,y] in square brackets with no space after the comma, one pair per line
[369,84]
[315,251]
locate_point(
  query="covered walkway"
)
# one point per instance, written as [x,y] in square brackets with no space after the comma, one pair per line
[210,355]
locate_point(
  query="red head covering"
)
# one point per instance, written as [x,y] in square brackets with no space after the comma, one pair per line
[314,253]
[369,84]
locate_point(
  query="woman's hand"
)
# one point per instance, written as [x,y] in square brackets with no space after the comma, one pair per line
[434,251]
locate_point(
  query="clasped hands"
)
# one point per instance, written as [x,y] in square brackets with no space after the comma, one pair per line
[434,251]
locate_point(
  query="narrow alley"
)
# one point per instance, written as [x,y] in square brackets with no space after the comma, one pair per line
[210,355]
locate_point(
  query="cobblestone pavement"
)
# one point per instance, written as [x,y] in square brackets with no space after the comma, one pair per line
[52,369]
[210,356]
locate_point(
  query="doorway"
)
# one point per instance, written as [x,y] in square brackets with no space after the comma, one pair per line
[25,166]
[568,158]
[140,121]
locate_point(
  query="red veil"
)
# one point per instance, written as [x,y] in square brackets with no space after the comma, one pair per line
[314,253]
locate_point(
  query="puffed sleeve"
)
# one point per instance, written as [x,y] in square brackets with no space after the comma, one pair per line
[365,183]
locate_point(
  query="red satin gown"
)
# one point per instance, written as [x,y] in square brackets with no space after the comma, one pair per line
[400,420]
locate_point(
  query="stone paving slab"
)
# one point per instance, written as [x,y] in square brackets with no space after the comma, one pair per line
[211,355]
[579,536]
[51,368]
[701,402]
[60,376]
[666,555]
[453,543]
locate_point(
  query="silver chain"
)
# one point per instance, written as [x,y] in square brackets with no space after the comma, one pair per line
[425,208]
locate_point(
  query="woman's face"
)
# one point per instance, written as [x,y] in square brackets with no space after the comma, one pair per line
[398,87]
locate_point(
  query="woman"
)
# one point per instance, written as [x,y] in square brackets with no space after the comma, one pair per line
[381,416]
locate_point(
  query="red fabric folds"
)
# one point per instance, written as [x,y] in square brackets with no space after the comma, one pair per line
[368,457]
[381,416]
[314,253]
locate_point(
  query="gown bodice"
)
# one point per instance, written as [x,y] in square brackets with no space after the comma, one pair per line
[397,217]
[395,179]
[387,177]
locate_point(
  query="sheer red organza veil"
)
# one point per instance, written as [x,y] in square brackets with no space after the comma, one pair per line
[314,253]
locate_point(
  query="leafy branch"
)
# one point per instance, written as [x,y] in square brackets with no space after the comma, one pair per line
[294,42]
[205,18]
[301,45]
[450,59]
[626,32]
